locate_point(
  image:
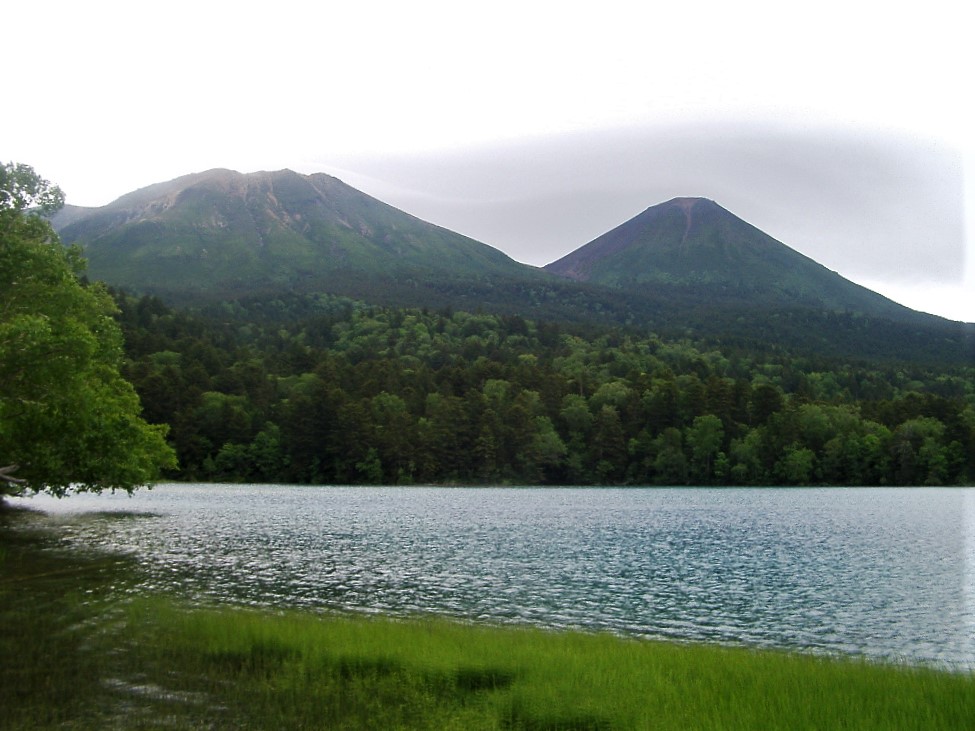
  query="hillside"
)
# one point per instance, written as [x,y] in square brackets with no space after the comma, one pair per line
[694,245]
[352,393]
[221,234]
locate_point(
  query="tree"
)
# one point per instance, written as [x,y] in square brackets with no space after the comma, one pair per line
[547,450]
[704,438]
[608,445]
[670,464]
[23,190]
[393,430]
[796,465]
[766,400]
[67,417]
[919,457]
[747,466]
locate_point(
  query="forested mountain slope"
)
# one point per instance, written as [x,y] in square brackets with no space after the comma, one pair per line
[693,244]
[686,268]
[221,234]
[343,392]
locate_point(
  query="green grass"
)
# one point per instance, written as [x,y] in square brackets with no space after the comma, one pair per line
[304,671]
[77,656]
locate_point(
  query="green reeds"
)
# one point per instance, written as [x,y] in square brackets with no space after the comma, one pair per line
[311,672]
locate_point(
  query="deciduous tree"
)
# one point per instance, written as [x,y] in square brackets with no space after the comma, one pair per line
[67,417]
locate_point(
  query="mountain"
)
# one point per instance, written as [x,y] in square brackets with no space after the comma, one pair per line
[222,234]
[695,250]
[685,268]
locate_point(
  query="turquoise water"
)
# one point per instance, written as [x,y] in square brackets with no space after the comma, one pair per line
[886,573]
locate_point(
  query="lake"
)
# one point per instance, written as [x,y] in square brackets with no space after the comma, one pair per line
[884,573]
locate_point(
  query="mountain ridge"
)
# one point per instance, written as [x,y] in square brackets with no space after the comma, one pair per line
[683,268]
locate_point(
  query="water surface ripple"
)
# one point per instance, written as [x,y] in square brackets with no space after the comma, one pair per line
[886,573]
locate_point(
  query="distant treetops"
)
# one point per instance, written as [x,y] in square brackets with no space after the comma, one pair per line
[322,389]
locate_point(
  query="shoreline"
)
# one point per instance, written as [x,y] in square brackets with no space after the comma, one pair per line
[91,654]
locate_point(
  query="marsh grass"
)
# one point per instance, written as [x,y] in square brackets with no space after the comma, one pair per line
[291,670]
[76,654]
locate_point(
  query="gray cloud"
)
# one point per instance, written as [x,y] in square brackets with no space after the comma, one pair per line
[865,203]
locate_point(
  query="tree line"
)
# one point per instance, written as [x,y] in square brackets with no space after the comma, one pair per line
[323,389]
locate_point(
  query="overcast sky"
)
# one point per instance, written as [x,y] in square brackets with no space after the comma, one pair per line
[843,129]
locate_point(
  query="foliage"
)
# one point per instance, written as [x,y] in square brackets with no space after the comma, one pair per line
[21,189]
[323,389]
[67,417]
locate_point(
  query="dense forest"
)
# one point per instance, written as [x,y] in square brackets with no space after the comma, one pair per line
[324,389]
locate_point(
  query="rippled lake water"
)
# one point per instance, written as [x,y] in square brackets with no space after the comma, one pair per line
[886,573]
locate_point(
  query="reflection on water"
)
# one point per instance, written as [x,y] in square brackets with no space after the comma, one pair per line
[885,573]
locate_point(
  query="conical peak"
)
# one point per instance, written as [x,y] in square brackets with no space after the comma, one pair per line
[686,203]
